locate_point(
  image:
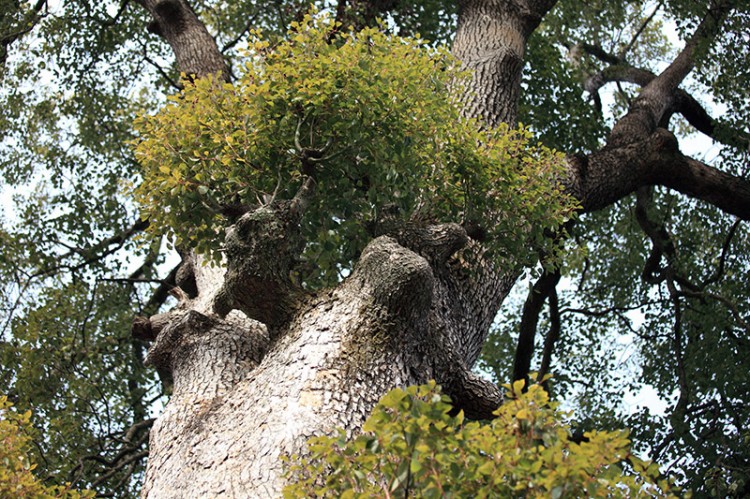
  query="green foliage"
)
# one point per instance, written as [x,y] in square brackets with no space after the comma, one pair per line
[16,468]
[616,340]
[413,446]
[377,110]
[618,332]
[67,352]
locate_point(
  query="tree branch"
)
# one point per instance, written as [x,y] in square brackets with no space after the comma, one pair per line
[723,258]
[534,11]
[604,177]
[530,318]
[195,49]
[698,180]
[552,335]
[249,24]
[96,252]
[656,98]
[662,244]
[684,103]
[25,26]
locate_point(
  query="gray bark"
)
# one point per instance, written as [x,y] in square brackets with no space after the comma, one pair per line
[195,50]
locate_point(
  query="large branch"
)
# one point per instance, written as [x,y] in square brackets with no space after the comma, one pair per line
[701,181]
[657,98]
[619,70]
[684,103]
[608,175]
[638,153]
[532,308]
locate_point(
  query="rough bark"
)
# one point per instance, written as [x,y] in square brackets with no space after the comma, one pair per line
[491,41]
[241,399]
[260,365]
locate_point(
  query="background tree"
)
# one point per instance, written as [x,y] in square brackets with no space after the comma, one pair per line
[16,469]
[74,273]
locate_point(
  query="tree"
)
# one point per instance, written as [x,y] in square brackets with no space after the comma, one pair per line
[260,361]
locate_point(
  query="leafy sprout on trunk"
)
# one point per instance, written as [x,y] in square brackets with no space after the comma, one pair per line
[412,446]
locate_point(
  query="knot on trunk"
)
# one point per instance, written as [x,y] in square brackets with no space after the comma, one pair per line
[185,277]
[169,16]
[206,355]
[476,396]
[399,280]
[262,249]
[437,243]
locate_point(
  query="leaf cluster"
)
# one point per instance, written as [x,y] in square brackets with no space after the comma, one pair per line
[413,445]
[370,117]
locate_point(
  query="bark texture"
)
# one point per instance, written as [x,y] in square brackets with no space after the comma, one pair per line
[491,41]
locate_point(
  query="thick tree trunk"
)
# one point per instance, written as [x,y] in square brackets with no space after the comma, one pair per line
[491,41]
[245,394]
[260,366]
[240,403]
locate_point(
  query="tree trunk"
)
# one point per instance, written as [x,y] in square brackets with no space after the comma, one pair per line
[245,394]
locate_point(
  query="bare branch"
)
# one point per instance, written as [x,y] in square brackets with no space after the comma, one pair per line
[174,84]
[552,335]
[123,464]
[701,181]
[304,196]
[249,24]
[684,103]
[530,318]
[96,252]
[728,303]
[640,31]
[614,172]
[722,259]
[662,244]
